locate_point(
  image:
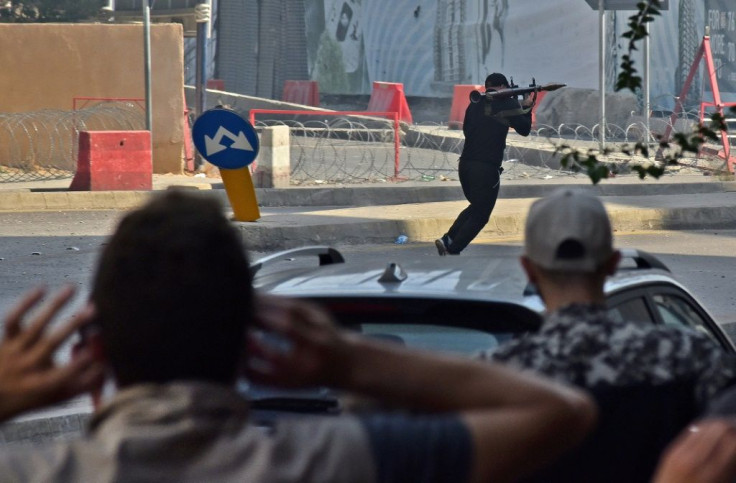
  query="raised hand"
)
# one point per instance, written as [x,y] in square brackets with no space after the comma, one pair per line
[703,453]
[297,345]
[29,377]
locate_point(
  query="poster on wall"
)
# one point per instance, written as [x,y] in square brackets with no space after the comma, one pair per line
[720,16]
[342,20]
[335,45]
[432,45]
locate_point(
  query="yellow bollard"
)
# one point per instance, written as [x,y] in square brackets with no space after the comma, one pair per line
[241,193]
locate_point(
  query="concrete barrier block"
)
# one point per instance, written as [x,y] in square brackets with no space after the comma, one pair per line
[274,163]
[113,160]
[304,92]
[460,102]
[581,107]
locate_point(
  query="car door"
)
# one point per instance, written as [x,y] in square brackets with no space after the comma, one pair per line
[631,304]
[677,308]
[668,305]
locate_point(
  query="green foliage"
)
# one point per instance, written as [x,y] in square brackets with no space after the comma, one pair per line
[628,78]
[669,152]
[37,11]
[651,170]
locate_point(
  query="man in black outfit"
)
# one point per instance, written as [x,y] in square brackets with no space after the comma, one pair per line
[485,126]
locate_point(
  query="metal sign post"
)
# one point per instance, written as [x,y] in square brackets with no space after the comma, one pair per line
[647,107]
[602,74]
[602,6]
[147,63]
[201,17]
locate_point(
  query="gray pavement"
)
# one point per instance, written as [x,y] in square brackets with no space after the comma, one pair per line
[378,213]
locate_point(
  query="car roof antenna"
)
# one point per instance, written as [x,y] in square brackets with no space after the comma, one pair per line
[393,273]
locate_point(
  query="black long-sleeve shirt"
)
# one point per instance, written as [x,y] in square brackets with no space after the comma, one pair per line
[485,135]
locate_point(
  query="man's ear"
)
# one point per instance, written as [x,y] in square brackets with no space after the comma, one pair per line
[529,269]
[92,341]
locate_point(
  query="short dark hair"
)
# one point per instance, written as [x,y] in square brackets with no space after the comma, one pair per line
[496,79]
[173,293]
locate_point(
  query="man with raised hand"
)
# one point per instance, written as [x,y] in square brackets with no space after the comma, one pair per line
[176,322]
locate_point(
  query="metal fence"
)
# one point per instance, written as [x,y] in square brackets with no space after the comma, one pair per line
[42,145]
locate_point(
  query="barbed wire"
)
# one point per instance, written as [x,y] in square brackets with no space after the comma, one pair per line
[353,150]
[42,145]
[345,149]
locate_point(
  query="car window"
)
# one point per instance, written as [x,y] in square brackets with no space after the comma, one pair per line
[679,312]
[633,309]
[437,337]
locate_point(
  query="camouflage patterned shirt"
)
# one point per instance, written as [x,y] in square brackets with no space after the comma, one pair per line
[581,345]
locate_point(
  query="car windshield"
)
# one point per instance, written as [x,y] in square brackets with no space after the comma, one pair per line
[433,337]
[460,327]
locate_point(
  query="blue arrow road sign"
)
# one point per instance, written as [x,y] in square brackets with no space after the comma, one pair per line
[225,139]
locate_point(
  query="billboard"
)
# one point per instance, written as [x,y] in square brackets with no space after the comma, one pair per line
[720,17]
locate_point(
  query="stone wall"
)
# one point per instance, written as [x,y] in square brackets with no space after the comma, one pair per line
[574,106]
[44,66]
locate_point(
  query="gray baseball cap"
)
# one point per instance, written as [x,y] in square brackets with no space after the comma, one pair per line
[568,230]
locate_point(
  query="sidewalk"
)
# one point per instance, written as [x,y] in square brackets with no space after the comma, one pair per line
[378,213]
[424,222]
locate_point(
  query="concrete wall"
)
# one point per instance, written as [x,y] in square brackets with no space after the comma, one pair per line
[44,66]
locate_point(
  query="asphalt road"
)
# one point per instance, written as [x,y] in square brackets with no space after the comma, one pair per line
[61,247]
[58,248]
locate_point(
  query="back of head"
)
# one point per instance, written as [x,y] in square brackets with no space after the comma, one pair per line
[173,293]
[568,231]
[496,80]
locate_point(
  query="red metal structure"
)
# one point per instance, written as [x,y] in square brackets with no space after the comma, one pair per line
[394,116]
[704,51]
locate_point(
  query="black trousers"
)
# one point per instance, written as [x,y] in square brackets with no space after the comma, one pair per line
[480,181]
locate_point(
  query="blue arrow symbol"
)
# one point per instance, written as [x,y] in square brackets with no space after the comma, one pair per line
[212,145]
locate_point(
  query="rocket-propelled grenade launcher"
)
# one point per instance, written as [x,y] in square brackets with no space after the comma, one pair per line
[491,94]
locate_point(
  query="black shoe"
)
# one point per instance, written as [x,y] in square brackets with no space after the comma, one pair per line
[441,248]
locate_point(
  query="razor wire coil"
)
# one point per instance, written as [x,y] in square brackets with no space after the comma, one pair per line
[351,150]
[42,145]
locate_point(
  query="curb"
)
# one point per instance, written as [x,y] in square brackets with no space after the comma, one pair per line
[418,228]
[19,201]
[357,196]
[399,195]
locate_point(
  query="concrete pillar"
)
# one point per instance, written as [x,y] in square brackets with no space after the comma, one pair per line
[274,164]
